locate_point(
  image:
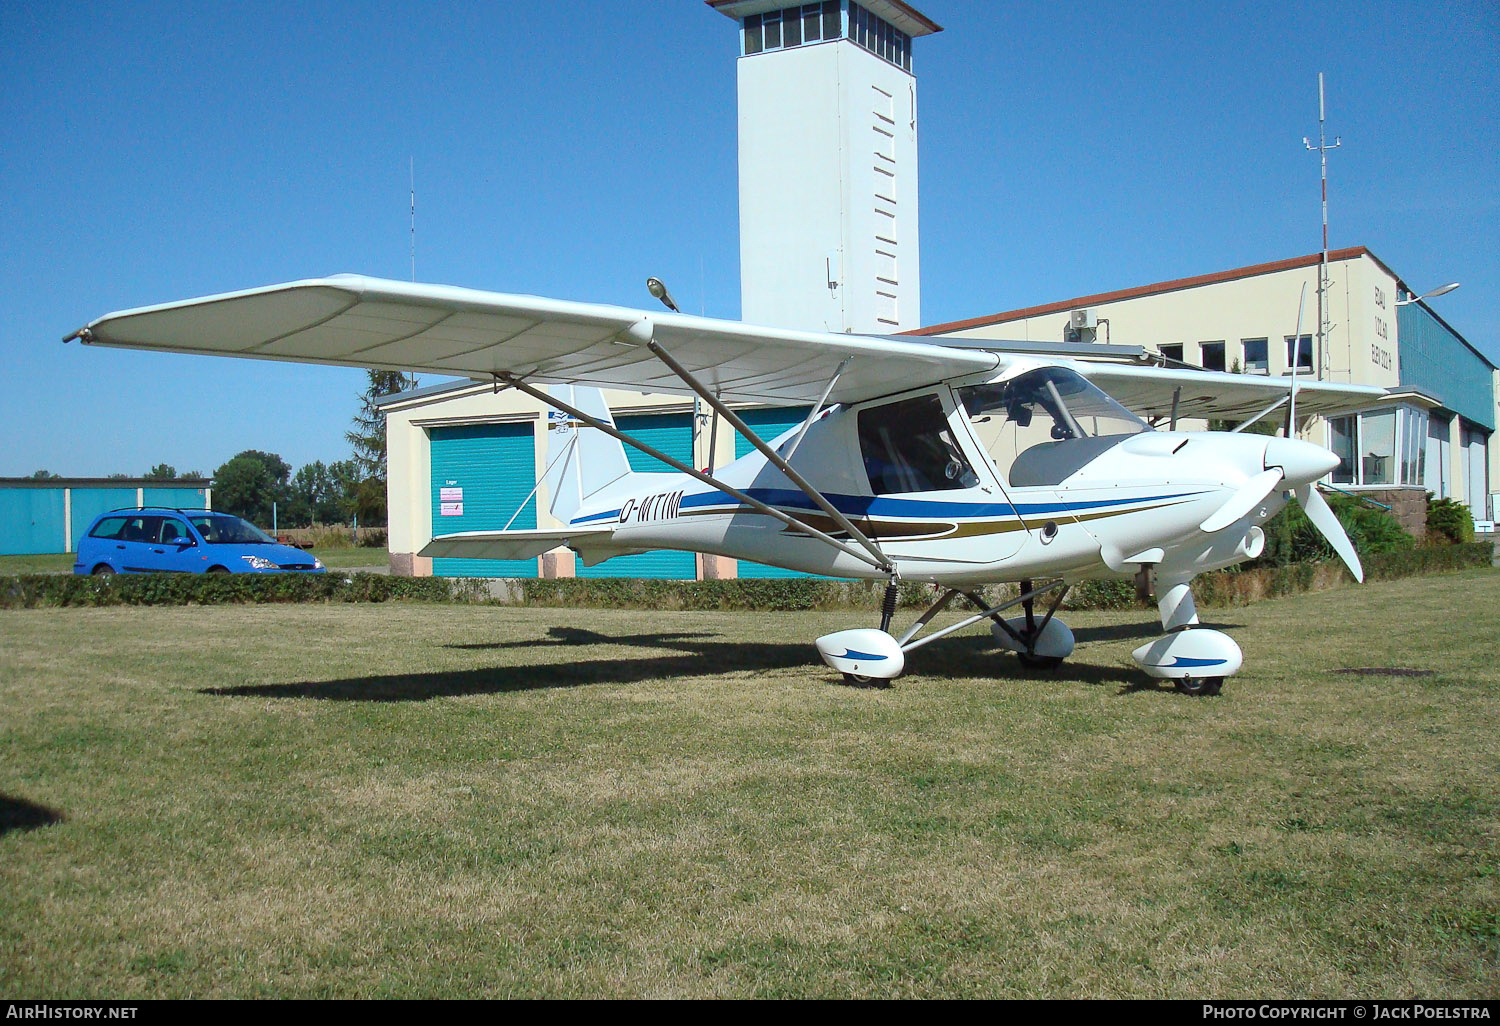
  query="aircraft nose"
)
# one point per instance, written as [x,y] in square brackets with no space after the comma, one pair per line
[1301,462]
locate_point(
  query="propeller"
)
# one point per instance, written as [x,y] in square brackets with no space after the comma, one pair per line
[1250,495]
[1316,508]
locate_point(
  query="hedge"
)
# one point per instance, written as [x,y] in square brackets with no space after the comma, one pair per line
[1223,587]
[33,590]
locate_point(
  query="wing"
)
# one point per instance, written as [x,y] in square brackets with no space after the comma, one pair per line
[1148,391]
[349,320]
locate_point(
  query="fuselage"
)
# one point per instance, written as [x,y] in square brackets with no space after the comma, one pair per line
[1033,473]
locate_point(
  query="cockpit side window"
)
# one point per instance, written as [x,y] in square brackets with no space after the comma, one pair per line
[908,446]
[1042,426]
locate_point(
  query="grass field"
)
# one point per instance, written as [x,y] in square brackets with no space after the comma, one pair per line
[423,800]
[62,562]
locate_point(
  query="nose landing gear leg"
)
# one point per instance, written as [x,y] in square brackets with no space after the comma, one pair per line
[1196,659]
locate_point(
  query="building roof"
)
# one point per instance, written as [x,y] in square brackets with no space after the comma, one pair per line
[904,16]
[1150,290]
[106,482]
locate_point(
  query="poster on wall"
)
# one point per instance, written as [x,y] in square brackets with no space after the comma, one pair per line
[451,502]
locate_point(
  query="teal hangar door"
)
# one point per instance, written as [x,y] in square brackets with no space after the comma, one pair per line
[767,424]
[671,433]
[481,474]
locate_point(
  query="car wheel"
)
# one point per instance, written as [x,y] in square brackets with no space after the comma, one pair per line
[218,570]
[103,570]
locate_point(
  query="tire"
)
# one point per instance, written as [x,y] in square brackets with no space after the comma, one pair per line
[218,570]
[1200,686]
[103,570]
[859,680]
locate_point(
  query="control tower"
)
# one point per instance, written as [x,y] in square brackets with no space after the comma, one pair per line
[828,164]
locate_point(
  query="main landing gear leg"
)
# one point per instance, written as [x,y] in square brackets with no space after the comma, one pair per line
[867,657]
[1038,646]
[1195,658]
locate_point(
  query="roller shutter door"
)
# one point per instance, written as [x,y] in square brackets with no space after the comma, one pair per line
[88,503]
[672,433]
[485,471]
[767,424]
[31,521]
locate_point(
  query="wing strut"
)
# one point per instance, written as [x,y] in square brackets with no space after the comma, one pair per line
[697,475]
[881,560]
[817,408]
[1278,404]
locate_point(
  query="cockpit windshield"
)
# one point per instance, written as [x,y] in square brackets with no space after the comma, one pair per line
[1041,426]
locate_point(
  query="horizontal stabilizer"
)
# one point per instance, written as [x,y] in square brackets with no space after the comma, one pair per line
[513,544]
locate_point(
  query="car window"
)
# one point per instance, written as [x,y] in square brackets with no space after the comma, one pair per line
[109,527]
[226,530]
[142,529]
[173,531]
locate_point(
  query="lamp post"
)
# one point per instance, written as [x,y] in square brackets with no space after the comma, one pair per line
[1441,290]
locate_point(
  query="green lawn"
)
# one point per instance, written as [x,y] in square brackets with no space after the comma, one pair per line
[421,800]
[62,562]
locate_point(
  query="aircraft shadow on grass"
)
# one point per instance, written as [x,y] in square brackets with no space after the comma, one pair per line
[681,655]
[19,814]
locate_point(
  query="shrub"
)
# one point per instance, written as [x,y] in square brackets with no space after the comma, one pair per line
[1292,538]
[1448,521]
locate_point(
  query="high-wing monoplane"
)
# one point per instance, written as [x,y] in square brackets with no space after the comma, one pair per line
[943,461]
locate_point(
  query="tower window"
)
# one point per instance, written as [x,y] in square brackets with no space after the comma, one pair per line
[793,26]
[879,36]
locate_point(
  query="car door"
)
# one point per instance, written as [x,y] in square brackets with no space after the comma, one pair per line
[178,550]
[140,545]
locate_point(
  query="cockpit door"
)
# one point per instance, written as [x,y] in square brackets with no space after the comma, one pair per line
[934,495]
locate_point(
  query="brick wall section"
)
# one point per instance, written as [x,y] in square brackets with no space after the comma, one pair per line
[1408,505]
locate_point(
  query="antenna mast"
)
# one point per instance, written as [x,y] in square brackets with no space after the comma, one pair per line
[1322,149]
[413,169]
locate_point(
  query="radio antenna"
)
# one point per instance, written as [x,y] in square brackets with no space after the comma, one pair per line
[413,170]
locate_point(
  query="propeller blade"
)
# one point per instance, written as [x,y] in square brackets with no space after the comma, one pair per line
[1250,495]
[1316,508]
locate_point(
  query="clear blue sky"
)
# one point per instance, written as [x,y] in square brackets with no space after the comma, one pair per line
[157,151]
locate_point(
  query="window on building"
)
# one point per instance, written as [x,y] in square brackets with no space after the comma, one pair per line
[1381,448]
[1377,458]
[1172,351]
[755,40]
[1299,352]
[771,21]
[793,26]
[879,36]
[1212,355]
[1255,356]
[1342,440]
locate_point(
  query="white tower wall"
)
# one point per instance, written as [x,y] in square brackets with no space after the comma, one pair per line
[828,190]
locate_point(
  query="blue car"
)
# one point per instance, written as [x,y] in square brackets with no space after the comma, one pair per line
[185,541]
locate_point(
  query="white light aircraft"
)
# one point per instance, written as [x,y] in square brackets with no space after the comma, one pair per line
[931,460]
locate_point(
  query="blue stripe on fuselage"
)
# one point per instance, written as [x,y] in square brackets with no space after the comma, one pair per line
[867,505]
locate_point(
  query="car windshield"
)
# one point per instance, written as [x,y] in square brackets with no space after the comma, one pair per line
[224,530]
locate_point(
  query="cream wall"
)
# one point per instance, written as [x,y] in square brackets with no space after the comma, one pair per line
[409,453]
[1361,298]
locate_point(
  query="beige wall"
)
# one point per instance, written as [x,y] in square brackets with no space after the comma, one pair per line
[409,458]
[1262,306]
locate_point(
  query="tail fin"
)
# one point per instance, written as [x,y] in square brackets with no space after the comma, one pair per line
[582,459]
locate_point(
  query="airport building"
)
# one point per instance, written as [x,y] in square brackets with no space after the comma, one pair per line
[1431,433]
[827,98]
